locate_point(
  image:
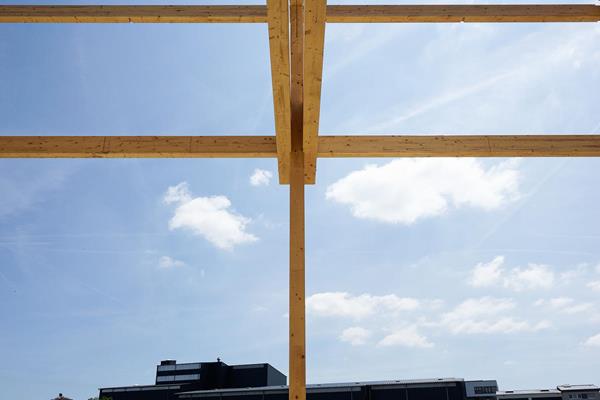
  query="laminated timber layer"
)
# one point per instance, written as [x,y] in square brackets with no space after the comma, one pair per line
[328,146]
[296,31]
[334,14]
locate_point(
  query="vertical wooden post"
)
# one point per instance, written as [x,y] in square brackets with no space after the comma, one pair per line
[297,304]
[297,359]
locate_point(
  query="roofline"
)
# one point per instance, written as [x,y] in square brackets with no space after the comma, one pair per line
[325,387]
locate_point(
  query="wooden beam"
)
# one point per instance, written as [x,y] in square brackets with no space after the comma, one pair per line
[329,146]
[135,14]
[460,146]
[314,41]
[279,45]
[297,327]
[137,146]
[464,13]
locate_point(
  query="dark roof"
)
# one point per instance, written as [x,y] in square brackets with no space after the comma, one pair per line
[326,387]
[139,388]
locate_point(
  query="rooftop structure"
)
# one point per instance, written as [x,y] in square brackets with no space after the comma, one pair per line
[262,381]
[296,38]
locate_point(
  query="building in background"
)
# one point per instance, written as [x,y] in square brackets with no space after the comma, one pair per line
[172,378]
[219,381]
[536,394]
[562,392]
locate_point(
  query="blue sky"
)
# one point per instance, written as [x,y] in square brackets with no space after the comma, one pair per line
[415,268]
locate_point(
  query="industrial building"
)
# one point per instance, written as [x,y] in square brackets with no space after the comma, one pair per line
[217,380]
[562,392]
[173,378]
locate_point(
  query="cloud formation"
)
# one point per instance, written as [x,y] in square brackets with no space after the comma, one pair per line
[355,335]
[390,318]
[532,277]
[593,341]
[209,217]
[564,305]
[342,304]
[261,177]
[406,190]
[167,262]
[594,285]
[487,315]
[405,337]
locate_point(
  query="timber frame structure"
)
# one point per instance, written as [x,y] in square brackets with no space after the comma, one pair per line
[296,38]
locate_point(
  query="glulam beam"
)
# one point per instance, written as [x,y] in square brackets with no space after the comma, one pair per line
[460,146]
[297,307]
[328,147]
[133,14]
[429,13]
[279,47]
[137,147]
[297,292]
[314,42]
[335,13]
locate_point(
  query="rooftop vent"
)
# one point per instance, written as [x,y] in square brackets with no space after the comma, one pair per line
[168,362]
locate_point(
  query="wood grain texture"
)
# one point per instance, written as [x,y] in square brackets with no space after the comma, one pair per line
[297,328]
[279,46]
[133,14]
[137,146]
[314,41]
[461,146]
[463,13]
[329,146]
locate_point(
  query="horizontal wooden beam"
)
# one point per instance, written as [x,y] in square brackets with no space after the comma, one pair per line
[464,13]
[461,146]
[329,146]
[335,13]
[137,146]
[132,14]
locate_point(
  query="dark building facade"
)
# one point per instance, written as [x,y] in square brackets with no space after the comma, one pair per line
[428,389]
[173,378]
[219,381]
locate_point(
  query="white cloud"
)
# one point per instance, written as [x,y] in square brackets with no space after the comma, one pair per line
[406,190]
[594,285]
[487,274]
[565,305]
[485,315]
[168,262]
[532,277]
[355,335]
[406,337]
[593,341]
[209,217]
[578,272]
[342,304]
[261,177]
